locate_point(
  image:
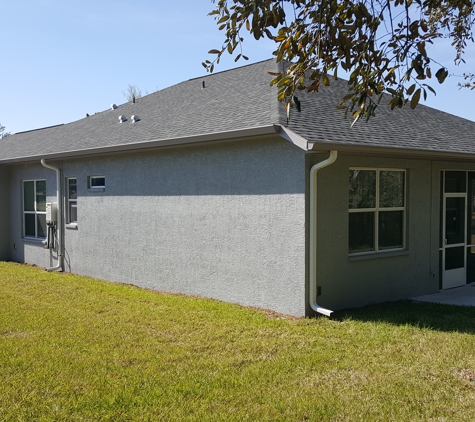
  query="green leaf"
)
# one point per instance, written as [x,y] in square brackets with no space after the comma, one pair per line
[325,80]
[415,98]
[411,89]
[214,52]
[422,49]
[430,89]
[284,81]
[358,115]
[441,74]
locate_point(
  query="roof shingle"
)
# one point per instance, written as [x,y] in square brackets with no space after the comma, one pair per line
[242,98]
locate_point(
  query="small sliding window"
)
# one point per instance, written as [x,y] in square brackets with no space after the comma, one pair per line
[96,183]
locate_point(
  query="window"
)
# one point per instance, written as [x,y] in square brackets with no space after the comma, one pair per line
[72,200]
[377,216]
[96,183]
[34,209]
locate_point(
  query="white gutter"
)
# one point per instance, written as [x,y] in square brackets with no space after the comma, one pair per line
[60,266]
[312,291]
[293,137]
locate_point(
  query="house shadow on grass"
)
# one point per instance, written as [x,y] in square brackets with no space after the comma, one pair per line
[434,316]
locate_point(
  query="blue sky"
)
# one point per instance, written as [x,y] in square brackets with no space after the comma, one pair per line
[63,59]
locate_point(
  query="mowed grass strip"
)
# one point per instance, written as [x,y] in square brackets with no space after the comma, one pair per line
[74,348]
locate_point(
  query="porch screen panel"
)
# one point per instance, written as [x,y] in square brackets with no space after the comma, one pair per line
[455,220]
[454,258]
[471,229]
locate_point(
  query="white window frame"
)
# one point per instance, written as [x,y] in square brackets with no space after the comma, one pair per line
[99,188]
[35,212]
[377,209]
[70,201]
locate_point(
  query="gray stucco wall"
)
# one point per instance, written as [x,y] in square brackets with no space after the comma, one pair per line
[348,281]
[223,221]
[4,213]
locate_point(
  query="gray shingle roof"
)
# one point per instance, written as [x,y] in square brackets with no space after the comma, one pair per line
[241,98]
[423,128]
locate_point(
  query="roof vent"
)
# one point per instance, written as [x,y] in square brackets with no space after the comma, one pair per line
[122,119]
[135,118]
[113,106]
[203,85]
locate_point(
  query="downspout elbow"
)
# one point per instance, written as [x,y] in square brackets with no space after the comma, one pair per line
[313,234]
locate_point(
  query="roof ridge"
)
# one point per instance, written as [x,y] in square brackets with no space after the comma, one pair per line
[230,70]
[277,114]
[39,128]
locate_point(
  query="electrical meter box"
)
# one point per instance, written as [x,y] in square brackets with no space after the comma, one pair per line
[51,212]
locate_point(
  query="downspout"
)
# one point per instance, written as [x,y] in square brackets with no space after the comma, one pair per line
[60,266]
[313,234]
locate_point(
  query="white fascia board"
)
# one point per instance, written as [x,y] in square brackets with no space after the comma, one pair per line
[137,146]
[324,146]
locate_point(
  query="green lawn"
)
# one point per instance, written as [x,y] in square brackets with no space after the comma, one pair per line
[77,349]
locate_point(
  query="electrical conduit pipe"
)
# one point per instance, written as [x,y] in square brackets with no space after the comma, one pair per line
[313,233]
[60,265]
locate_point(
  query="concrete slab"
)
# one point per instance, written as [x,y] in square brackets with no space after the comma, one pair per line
[462,296]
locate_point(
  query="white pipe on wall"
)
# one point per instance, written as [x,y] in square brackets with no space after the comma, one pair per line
[312,291]
[60,266]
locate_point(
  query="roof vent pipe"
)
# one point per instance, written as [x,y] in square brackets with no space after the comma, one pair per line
[113,106]
[203,85]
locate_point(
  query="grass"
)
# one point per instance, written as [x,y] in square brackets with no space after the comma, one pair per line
[78,349]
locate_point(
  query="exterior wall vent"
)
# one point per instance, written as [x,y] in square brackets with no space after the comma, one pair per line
[135,118]
[122,119]
[113,106]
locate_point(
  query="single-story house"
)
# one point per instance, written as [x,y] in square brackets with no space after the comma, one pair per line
[205,188]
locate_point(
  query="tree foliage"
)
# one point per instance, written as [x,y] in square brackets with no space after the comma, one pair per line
[386,46]
[3,134]
[132,93]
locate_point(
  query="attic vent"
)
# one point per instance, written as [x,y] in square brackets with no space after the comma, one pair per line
[135,118]
[113,106]
[122,119]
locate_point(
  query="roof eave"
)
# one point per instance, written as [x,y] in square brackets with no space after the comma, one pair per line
[323,146]
[160,143]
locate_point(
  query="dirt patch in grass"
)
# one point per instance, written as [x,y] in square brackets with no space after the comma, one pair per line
[467,375]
